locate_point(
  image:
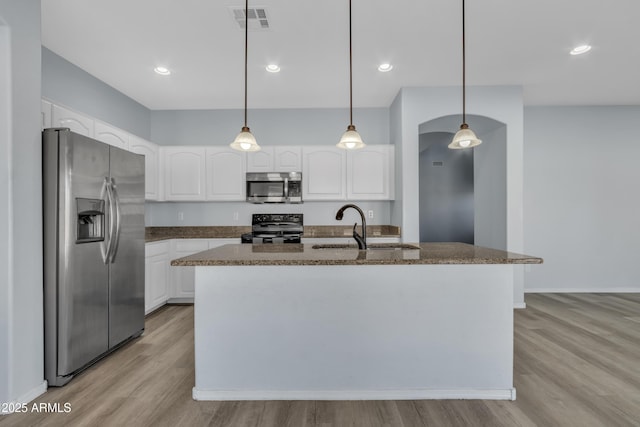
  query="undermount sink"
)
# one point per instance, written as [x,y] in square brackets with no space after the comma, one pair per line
[370,246]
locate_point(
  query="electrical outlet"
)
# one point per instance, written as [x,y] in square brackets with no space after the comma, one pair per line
[235,216]
[180,216]
[370,213]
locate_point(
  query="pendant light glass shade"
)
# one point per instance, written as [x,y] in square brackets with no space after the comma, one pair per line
[464,138]
[351,139]
[245,141]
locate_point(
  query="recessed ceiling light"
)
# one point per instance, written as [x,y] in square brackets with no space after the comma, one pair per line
[579,50]
[164,71]
[385,67]
[273,68]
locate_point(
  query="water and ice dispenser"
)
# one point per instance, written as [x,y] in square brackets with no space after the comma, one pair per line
[90,220]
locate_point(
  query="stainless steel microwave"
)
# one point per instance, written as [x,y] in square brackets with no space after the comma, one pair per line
[274,187]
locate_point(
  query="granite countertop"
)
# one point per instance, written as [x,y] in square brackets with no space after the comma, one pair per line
[154,234]
[382,253]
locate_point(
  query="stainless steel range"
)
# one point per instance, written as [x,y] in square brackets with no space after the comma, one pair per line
[275,228]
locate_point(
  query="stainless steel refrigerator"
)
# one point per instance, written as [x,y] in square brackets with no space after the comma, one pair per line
[93,197]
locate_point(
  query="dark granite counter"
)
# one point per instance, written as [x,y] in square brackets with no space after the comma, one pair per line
[309,254]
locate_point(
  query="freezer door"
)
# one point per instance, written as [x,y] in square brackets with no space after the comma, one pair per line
[82,282]
[126,317]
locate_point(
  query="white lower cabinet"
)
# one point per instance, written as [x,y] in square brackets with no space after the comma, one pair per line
[182,285]
[183,278]
[156,270]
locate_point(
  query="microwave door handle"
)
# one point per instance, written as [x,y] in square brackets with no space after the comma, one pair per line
[286,188]
[118,220]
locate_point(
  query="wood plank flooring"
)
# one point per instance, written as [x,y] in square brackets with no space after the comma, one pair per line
[577,363]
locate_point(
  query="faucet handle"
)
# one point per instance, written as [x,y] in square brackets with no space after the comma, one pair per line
[355,233]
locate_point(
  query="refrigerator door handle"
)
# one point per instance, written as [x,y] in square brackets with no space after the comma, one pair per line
[111,233]
[118,220]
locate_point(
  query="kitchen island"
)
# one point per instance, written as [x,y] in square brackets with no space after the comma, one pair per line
[407,321]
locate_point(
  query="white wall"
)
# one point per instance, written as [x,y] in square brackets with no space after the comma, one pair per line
[21,329]
[582,203]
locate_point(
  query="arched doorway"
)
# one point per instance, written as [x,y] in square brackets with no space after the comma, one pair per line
[463,193]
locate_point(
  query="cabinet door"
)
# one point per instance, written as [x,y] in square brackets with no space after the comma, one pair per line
[323,173]
[183,278]
[156,275]
[184,173]
[261,161]
[78,123]
[111,135]
[45,111]
[370,173]
[287,159]
[225,174]
[151,161]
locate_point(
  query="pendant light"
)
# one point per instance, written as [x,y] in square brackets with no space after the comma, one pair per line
[245,141]
[351,139]
[465,137]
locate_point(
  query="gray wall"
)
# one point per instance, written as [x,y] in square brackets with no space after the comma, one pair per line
[270,127]
[66,84]
[582,203]
[446,190]
[21,330]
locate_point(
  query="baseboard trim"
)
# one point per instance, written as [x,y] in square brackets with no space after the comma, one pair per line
[582,291]
[32,394]
[415,394]
[180,300]
[519,305]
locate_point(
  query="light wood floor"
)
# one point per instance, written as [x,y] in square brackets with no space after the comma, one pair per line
[577,363]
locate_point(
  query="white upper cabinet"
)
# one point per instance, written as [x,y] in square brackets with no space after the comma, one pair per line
[261,161]
[184,173]
[225,174]
[331,173]
[79,123]
[370,173]
[323,173]
[151,154]
[45,111]
[111,135]
[275,159]
[287,159]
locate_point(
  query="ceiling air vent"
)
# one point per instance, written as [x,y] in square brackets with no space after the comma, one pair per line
[258,19]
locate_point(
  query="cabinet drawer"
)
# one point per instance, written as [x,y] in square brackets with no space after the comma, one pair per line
[191,245]
[154,249]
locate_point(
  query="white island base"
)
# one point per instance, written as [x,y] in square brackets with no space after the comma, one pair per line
[354,332]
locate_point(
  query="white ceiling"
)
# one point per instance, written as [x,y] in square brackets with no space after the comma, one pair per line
[509,42]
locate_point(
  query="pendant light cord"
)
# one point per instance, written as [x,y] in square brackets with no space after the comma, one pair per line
[246,48]
[464,118]
[350,72]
